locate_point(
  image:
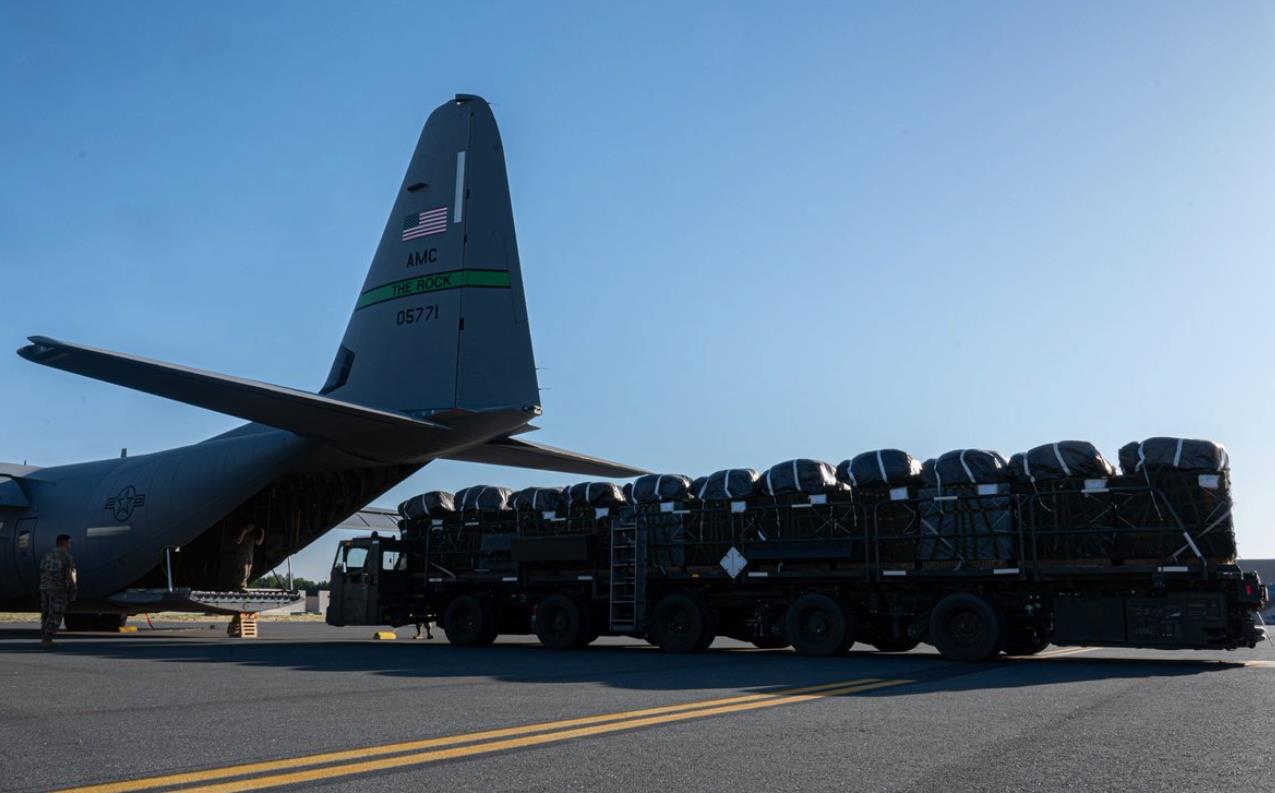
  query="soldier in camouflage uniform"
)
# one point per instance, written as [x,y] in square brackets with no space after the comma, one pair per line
[57,588]
[245,546]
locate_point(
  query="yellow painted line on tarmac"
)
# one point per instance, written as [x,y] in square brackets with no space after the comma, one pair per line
[479,742]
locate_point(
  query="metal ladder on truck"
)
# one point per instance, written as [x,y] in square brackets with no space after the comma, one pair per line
[628,576]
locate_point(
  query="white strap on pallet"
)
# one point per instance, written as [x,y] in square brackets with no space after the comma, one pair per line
[1061,461]
[885,480]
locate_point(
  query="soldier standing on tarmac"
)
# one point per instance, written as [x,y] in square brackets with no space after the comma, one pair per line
[57,588]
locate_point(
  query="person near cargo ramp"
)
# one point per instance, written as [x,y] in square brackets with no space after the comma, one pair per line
[57,588]
[245,548]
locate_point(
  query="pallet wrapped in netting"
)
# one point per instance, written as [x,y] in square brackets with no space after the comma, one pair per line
[800,476]
[1174,515]
[666,537]
[964,524]
[539,499]
[730,484]
[657,488]
[434,504]
[893,512]
[595,494]
[796,527]
[473,541]
[1177,454]
[880,468]
[483,498]
[965,467]
[1072,460]
[541,511]
[1065,520]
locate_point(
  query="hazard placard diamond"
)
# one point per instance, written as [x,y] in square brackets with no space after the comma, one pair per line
[733,562]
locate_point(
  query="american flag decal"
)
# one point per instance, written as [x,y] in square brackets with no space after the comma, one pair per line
[423,224]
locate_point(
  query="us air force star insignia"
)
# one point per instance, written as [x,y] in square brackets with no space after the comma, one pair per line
[123,506]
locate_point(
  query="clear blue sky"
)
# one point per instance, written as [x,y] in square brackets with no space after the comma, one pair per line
[748,232]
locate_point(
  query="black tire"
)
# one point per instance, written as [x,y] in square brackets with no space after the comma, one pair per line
[769,642]
[560,623]
[709,634]
[1026,645]
[76,623]
[820,626]
[470,622]
[679,624]
[966,627]
[895,645]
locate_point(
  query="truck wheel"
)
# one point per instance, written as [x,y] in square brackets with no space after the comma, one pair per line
[1026,645]
[469,622]
[820,626]
[966,627]
[560,623]
[895,645]
[709,634]
[679,624]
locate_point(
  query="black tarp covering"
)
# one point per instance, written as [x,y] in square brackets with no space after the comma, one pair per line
[965,467]
[539,499]
[697,485]
[800,476]
[1183,454]
[483,498]
[433,504]
[1061,460]
[730,484]
[880,468]
[598,494]
[654,488]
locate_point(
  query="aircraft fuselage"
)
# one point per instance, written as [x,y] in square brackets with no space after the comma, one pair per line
[123,513]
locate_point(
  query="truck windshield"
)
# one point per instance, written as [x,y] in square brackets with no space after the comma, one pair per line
[350,557]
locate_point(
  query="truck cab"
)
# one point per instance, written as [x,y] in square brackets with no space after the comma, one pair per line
[370,583]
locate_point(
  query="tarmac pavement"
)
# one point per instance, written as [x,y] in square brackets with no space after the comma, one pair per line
[307,706]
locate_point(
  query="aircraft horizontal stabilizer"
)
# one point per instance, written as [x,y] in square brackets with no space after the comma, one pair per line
[349,426]
[524,454]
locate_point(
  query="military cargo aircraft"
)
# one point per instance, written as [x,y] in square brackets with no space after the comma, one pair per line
[436,362]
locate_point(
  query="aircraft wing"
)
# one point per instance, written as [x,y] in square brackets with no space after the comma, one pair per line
[285,408]
[364,431]
[524,454]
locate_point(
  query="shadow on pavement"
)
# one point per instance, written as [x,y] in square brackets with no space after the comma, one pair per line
[634,666]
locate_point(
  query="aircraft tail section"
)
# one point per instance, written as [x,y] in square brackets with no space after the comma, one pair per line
[441,321]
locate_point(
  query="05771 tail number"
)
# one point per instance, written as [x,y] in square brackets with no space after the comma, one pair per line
[411,316]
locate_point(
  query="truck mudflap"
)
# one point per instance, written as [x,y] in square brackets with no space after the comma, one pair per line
[137,601]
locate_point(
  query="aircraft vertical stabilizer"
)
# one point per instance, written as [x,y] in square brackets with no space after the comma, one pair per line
[441,321]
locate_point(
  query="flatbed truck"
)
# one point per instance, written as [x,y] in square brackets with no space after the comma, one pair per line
[974,571]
